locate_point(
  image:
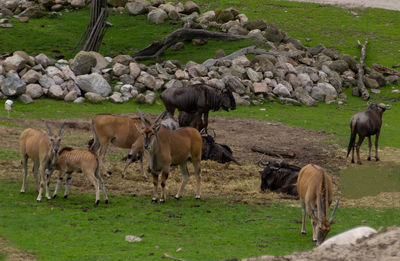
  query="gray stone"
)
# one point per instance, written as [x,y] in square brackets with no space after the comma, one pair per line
[14,63]
[32,12]
[238,29]
[304,80]
[157,2]
[393,79]
[116,97]
[44,60]
[120,69]
[273,34]
[304,97]
[148,80]
[173,83]
[83,63]
[55,91]
[52,71]
[94,83]
[150,97]
[316,49]
[93,97]
[321,90]
[116,3]
[234,83]
[339,66]
[281,90]
[350,61]
[255,24]
[34,91]
[46,81]
[134,70]
[12,85]
[140,98]
[378,77]
[240,101]
[260,87]
[25,98]
[31,76]
[290,101]
[123,59]
[127,79]
[68,73]
[79,100]
[71,96]
[168,7]
[206,17]
[190,7]
[29,60]
[371,83]
[78,3]
[157,16]
[101,62]
[197,70]
[137,7]
[253,75]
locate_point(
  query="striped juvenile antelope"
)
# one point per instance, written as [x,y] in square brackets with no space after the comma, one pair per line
[314,186]
[171,147]
[42,149]
[79,160]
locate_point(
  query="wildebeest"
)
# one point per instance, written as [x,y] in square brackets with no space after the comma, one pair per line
[366,124]
[42,149]
[121,132]
[278,176]
[79,160]
[197,99]
[211,150]
[171,147]
[315,191]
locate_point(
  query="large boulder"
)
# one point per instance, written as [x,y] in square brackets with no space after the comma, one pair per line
[34,91]
[255,24]
[32,12]
[44,60]
[234,83]
[339,66]
[55,91]
[93,83]
[12,85]
[14,63]
[281,91]
[304,97]
[120,69]
[274,34]
[157,16]
[83,63]
[323,89]
[190,7]
[31,76]
[137,7]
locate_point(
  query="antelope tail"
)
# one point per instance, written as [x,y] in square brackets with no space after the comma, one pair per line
[96,144]
[352,137]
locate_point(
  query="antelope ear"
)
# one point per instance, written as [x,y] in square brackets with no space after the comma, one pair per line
[156,128]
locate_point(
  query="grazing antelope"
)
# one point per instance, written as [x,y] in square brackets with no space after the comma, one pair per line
[171,147]
[366,124]
[314,186]
[42,149]
[70,160]
[119,131]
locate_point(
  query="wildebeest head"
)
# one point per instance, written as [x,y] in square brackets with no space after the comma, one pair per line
[266,177]
[227,100]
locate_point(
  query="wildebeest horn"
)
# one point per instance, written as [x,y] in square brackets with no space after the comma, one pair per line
[159,117]
[215,135]
[48,127]
[203,131]
[59,131]
[333,211]
[261,163]
[142,118]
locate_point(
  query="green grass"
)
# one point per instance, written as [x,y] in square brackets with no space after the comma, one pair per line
[210,229]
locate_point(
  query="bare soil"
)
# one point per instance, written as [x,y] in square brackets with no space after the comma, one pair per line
[238,183]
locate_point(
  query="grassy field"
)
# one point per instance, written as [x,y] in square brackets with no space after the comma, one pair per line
[214,228]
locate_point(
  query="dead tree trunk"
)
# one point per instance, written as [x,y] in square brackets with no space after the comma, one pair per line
[362,90]
[273,152]
[155,49]
[385,70]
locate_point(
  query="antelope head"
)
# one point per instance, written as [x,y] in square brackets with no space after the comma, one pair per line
[55,140]
[324,224]
[150,133]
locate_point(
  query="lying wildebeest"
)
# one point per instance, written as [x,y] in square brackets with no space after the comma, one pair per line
[79,160]
[42,149]
[214,151]
[315,190]
[121,132]
[279,176]
[366,124]
[171,147]
[197,99]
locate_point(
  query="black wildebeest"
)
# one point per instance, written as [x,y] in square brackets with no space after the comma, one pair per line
[366,124]
[197,99]
[279,176]
[214,151]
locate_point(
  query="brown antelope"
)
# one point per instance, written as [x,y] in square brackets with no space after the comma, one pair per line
[42,149]
[119,131]
[314,186]
[70,160]
[171,147]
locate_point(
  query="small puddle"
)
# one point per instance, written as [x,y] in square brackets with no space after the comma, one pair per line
[366,180]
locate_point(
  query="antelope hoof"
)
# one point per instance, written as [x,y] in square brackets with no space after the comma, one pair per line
[65,196]
[54,196]
[303,232]
[314,240]
[153,201]
[197,197]
[177,198]
[106,201]
[162,201]
[96,203]
[359,163]
[369,159]
[38,200]
[377,159]
[49,198]
[22,192]
[352,161]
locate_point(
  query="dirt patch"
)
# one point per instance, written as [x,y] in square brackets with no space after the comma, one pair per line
[239,183]
[14,254]
[384,245]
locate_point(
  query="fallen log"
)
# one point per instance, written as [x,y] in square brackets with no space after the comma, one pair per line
[362,90]
[273,152]
[157,48]
[396,66]
[385,70]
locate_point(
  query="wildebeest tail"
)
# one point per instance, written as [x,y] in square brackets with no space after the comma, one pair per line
[352,137]
[94,144]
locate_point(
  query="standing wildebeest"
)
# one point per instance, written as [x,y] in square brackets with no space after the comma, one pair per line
[315,190]
[42,149]
[119,131]
[171,147]
[279,176]
[197,99]
[365,124]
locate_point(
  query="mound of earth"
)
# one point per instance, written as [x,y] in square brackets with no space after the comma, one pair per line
[384,245]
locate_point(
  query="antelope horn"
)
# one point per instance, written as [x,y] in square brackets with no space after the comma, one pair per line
[142,118]
[262,164]
[333,211]
[159,117]
[49,129]
[320,210]
[59,131]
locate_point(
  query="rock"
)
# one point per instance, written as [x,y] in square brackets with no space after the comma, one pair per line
[253,75]
[150,97]
[148,80]
[14,63]
[71,96]
[199,41]
[206,17]
[131,238]
[140,98]
[101,62]
[239,30]
[117,3]
[304,80]
[78,3]
[371,83]
[168,7]
[68,73]
[46,81]
[79,100]
[178,46]
[219,54]
[31,76]
[316,49]
[352,63]
[12,85]
[378,77]
[281,90]
[255,24]
[157,16]
[116,97]
[120,69]
[223,16]
[304,97]
[25,98]
[321,90]
[260,87]
[273,34]
[53,71]
[390,79]
[93,83]
[83,63]
[55,91]
[93,97]
[339,66]
[241,60]
[123,59]
[157,2]
[34,91]
[134,70]
[29,60]
[190,7]
[32,12]
[240,101]
[173,83]
[137,7]
[234,83]
[289,101]
[44,60]
[330,99]
[57,7]
[181,75]
[197,70]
